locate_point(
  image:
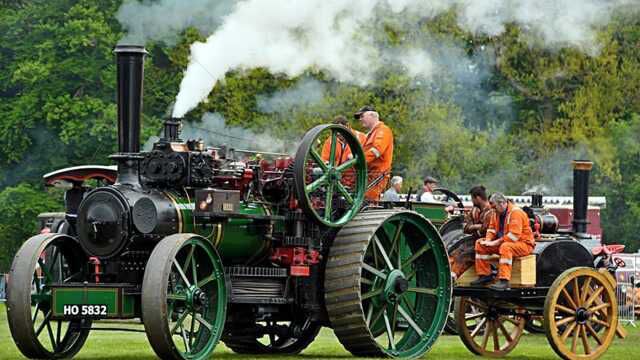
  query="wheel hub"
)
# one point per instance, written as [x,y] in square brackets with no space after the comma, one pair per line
[395,285]
[582,315]
[334,175]
[196,298]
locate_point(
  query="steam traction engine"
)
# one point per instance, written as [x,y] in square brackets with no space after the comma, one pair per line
[202,244]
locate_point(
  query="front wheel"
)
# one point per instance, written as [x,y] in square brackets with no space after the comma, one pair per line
[184,298]
[42,262]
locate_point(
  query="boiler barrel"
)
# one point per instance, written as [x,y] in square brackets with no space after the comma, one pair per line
[554,257]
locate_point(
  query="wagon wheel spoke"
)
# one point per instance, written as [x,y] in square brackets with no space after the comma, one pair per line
[395,242]
[566,320]
[475,316]
[576,290]
[192,329]
[44,323]
[569,299]
[328,202]
[374,271]
[585,341]
[421,290]
[410,321]
[205,281]
[409,307]
[504,331]
[594,334]
[58,334]
[574,341]
[567,331]
[599,307]
[600,322]
[482,324]
[179,322]
[565,309]
[593,297]
[487,332]
[51,336]
[347,165]
[315,185]
[187,347]
[372,293]
[477,303]
[586,289]
[496,342]
[387,325]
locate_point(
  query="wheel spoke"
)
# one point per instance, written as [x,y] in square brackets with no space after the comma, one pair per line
[187,262]
[377,316]
[192,329]
[565,320]
[478,327]
[44,323]
[51,337]
[593,296]
[576,291]
[593,333]
[383,252]
[328,203]
[504,331]
[374,271]
[316,184]
[416,255]
[369,313]
[409,306]
[586,289]
[395,243]
[206,280]
[347,164]
[600,322]
[569,299]
[35,313]
[423,290]
[387,325]
[344,192]
[565,309]
[178,297]
[487,332]
[476,303]
[179,322]
[184,339]
[585,341]
[182,275]
[574,341]
[318,159]
[58,333]
[366,281]
[194,269]
[410,321]
[371,294]
[565,334]
[332,152]
[496,342]
[45,271]
[599,307]
[474,316]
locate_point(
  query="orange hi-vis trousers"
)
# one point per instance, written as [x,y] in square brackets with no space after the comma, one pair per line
[507,250]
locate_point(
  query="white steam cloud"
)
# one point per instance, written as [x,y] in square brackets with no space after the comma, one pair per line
[336,36]
[163,20]
[307,91]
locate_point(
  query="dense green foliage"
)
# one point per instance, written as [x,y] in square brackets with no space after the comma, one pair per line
[525,115]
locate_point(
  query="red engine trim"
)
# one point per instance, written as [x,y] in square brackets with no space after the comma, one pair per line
[79,174]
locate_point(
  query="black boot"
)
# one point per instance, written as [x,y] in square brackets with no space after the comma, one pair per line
[502,284]
[482,280]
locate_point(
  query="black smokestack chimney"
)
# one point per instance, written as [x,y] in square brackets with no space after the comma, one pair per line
[130,69]
[581,170]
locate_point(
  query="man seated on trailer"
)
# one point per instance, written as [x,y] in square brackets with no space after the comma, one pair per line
[510,235]
[378,151]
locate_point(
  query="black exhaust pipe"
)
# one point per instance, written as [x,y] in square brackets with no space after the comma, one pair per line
[130,69]
[581,170]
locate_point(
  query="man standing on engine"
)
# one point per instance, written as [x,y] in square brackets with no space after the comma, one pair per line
[378,151]
[510,235]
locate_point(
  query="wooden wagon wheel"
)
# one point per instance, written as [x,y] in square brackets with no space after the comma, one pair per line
[487,330]
[581,314]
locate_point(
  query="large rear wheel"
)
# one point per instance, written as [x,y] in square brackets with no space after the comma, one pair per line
[43,261]
[388,287]
[184,298]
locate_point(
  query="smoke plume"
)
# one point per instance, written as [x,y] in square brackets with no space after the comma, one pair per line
[163,20]
[337,36]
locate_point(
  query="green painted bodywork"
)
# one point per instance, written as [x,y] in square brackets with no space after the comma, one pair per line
[238,239]
[118,304]
[432,211]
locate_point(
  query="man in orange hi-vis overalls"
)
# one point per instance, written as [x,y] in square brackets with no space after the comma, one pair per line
[378,151]
[510,235]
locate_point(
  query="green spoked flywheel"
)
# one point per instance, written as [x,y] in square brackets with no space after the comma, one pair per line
[330,174]
[388,284]
[184,298]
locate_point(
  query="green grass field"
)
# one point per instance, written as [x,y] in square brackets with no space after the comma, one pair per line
[121,345]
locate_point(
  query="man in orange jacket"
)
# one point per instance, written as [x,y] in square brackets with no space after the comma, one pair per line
[343,151]
[510,235]
[378,151]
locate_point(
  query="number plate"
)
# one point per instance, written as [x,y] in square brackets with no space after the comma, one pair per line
[85,310]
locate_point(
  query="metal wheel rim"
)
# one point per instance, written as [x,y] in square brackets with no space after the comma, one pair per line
[423,307]
[190,304]
[572,332]
[484,330]
[46,259]
[331,181]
